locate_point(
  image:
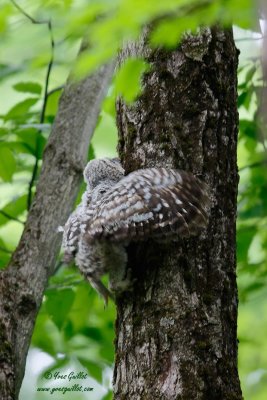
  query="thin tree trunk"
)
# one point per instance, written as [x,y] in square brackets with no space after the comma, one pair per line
[23,282]
[176,332]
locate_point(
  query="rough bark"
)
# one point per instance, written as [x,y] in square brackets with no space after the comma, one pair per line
[176,332]
[23,282]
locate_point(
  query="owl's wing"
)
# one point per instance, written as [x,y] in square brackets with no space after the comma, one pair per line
[71,234]
[74,227]
[151,203]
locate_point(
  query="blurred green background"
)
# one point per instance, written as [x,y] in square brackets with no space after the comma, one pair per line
[73,331]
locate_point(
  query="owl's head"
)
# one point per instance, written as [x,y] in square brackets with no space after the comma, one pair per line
[103,171]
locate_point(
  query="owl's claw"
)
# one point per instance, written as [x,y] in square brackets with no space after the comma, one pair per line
[101,289]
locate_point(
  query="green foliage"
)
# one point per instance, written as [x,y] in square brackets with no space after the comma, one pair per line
[8,164]
[28,87]
[72,322]
[94,369]
[14,208]
[20,109]
[58,305]
[52,105]
[107,25]
[5,13]
[128,78]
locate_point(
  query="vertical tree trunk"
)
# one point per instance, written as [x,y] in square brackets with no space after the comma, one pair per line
[176,332]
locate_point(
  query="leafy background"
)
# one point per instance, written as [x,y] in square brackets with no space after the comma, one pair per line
[39,44]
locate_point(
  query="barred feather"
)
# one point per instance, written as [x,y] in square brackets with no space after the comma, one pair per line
[155,203]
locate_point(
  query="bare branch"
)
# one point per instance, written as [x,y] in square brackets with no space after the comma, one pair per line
[33,20]
[42,116]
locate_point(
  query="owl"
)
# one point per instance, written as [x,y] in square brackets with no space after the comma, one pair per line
[154,203]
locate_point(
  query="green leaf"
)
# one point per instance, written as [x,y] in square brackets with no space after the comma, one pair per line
[89,61]
[249,128]
[108,396]
[28,87]
[18,147]
[52,103]
[254,286]
[44,335]
[128,79]
[35,150]
[84,295]
[91,152]
[7,164]
[255,211]
[15,208]
[94,369]
[4,254]
[250,73]
[2,244]
[4,259]
[244,99]
[169,31]
[58,305]
[109,102]
[5,12]
[93,333]
[20,109]
[241,13]
[244,240]
[68,330]
[4,132]
[107,352]
[33,141]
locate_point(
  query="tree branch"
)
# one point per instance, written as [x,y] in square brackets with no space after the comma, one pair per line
[23,282]
[33,20]
[42,116]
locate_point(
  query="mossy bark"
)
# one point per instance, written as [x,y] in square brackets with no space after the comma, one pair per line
[177,330]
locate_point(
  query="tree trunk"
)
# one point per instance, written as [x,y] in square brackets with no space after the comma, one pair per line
[176,332]
[23,282]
